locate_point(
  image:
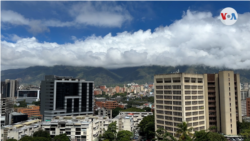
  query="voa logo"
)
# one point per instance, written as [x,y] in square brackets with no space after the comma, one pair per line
[228,16]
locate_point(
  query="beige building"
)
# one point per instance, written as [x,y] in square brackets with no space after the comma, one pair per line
[202,100]
[18,130]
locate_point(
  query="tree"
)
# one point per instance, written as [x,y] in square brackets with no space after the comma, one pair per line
[162,135]
[37,103]
[208,136]
[110,134]
[116,111]
[22,103]
[11,140]
[26,138]
[124,135]
[112,127]
[147,109]
[144,122]
[41,133]
[184,132]
[201,135]
[61,137]
[213,136]
[150,130]
[245,133]
[40,139]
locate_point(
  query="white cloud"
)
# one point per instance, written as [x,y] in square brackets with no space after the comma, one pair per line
[197,38]
[98,14]
[104,15]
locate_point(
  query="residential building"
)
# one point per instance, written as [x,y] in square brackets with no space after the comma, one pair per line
[20,129]
[97,91]
[103,87]
[31,111]
[104,112]
[136,116]
[142,88]
[61,96]
[202,100]
[28,95]
[85,128]
[79,128]
[3,106]
[117,89]
[108,104]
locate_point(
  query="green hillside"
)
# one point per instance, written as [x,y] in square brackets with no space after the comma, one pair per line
[109,77]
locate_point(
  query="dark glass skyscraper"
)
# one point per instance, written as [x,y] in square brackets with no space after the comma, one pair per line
[65,96]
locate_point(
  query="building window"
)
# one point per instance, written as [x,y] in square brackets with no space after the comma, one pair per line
[228,74]
[231,131]
[228,79]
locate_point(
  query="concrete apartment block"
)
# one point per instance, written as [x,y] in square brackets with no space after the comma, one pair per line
[202,100]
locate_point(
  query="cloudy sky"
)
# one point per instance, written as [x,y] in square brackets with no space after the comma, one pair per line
[122,34]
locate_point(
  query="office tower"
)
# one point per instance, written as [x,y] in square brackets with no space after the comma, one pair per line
[202,100]
[9,88]
[65,96]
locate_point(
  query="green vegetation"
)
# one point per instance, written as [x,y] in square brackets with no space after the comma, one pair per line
[41,133]
[124,135]
[11,140]
[133,110]
[103,95]
[147,109]
[61,137]
[116,111]
[22,104]
[147,127]
[37,103]
[111,77]
[112,135]
[119,94]
[43,136]
[183,133]
[244,130]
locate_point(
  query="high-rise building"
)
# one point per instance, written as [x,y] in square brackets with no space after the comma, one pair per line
[66,96]
[202,100]
[9,88]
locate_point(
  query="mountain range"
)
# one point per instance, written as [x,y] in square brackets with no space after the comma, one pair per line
[109,77]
